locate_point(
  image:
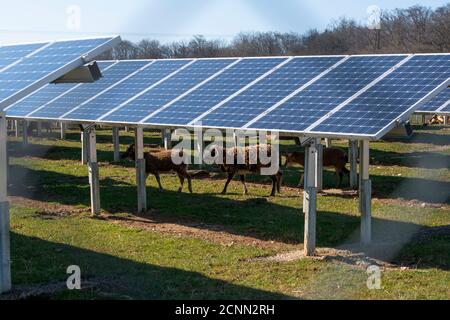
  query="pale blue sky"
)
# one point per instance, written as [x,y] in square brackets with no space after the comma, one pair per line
[166,20]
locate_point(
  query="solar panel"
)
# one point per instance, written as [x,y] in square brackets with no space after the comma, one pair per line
[436,103]
[84,92]
[13,53]
[155,72]
[352,96]
[446,108]
[267,92]
[43,96]
[167,91]
[213,92]
[375,110]
[47,64]
[328,92]
[162,94]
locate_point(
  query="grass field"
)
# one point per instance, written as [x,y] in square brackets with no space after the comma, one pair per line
[207,245]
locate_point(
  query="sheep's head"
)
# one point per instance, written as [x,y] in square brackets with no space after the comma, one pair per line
[130,153]
[290,159]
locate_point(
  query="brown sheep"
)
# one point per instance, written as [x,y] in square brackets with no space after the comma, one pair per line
[243,169]
[436,120]
[161,161]
[332,157]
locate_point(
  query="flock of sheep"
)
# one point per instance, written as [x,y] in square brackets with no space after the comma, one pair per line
[161,162]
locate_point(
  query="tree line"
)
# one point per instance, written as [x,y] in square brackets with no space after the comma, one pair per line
[415,29]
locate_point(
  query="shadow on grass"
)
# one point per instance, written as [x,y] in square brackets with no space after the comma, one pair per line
[40,262]
[425,190]
[251,216]
[426,160]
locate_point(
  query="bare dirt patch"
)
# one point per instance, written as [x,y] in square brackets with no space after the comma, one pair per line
[355,258]
[411,203]
[49,209]
[170,225]
[212,233]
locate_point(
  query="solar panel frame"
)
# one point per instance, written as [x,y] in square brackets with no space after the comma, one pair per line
[109,43]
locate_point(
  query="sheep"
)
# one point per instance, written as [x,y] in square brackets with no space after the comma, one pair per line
[161,161]
[243,169]
[332,157]
[436,120]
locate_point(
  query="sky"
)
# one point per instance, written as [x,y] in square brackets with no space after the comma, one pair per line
[169,20]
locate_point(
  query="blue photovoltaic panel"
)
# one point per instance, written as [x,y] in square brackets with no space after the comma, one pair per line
[269,91]
[43,96]
[377,108]
[43,63]
[446,109]
[168,90]
[126,90]
[81,94]
[11,54]
[207,96]
[437,102]
[311,104]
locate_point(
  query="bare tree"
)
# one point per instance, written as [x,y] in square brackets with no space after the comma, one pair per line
[415,29]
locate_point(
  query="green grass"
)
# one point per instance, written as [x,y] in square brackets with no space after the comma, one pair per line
[411,182]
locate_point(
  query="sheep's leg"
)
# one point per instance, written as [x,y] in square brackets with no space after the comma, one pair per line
[181,177]
[302,179]
[274,185]
[189,179]
[339,175]
[243,182]
[279,181]
[158,178]
[230,177]
[347,173]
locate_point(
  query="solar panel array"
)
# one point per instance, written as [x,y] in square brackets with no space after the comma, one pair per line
[438,105]
[327,93]
[391,97]
[252,102]
[25,68]
[358,96]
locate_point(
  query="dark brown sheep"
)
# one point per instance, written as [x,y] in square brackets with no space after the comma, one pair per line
[332,157]
[161,161]
[243,169]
